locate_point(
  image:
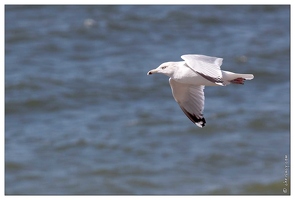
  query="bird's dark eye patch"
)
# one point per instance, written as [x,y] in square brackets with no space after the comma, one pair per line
[163,67]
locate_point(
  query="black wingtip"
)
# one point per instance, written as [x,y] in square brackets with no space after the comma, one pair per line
[199,121]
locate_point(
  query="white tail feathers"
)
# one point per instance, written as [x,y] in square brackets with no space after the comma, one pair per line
[246,76]
[228,77]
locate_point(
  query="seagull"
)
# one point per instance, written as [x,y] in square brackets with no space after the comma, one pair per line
[189,77]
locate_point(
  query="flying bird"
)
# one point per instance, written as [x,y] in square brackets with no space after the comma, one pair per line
[188,79]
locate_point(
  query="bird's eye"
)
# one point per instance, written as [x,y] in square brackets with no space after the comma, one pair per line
[164,67]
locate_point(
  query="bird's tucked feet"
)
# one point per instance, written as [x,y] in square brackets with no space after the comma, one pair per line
[238,81]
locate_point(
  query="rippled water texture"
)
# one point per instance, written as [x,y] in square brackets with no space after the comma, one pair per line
[82,116]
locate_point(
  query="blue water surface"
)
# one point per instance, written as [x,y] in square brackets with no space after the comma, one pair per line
[82,116]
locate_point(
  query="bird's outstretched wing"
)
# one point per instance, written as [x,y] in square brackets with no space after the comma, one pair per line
[206,66]
[190,99]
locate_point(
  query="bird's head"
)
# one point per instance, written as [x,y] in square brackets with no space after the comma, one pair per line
[167,68]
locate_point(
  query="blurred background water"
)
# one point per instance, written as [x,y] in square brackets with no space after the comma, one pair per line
[82,116]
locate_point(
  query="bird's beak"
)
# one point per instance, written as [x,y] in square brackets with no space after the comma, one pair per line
[152,71]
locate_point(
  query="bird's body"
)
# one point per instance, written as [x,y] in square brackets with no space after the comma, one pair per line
[188,78]
[182,74]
